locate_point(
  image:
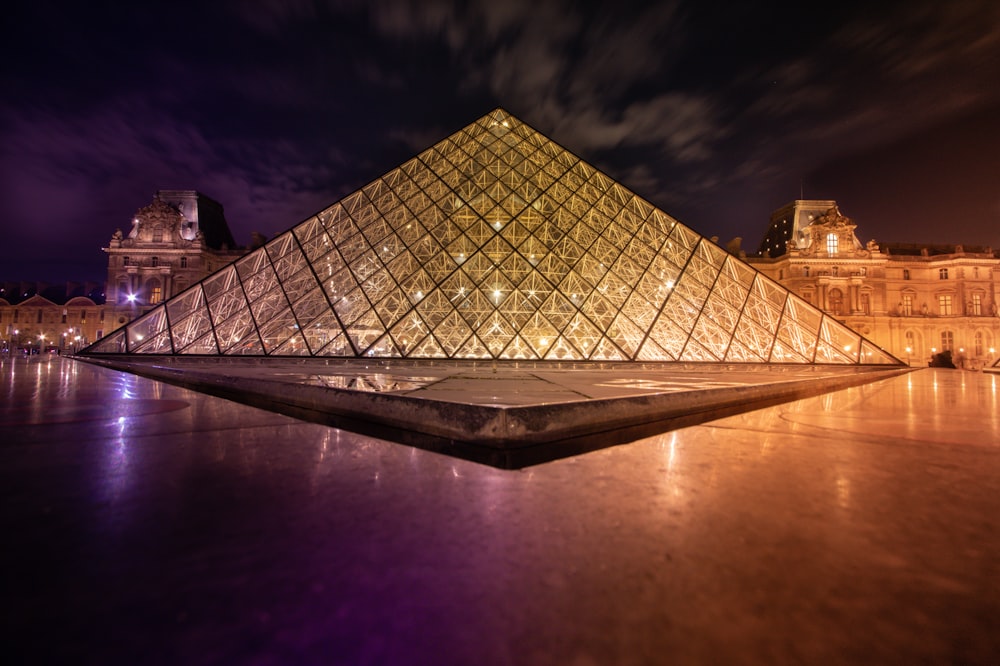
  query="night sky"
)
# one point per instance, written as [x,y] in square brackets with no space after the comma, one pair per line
[717,112]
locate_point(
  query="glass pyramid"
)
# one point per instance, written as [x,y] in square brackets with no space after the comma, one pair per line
[495,243]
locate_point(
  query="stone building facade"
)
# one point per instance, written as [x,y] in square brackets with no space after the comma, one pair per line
[912,300]
[40,324]
[178,239]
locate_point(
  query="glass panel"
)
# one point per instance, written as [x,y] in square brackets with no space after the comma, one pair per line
[149,325]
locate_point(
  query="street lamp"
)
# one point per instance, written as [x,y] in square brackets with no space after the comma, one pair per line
[908,351]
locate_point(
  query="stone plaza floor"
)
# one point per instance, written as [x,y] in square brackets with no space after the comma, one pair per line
[147,523]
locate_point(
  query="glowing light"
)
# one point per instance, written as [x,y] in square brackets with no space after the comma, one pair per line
[131,298]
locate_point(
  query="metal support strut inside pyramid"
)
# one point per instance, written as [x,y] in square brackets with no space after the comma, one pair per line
[495,243]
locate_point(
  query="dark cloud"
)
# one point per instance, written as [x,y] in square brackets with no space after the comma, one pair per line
[717,111]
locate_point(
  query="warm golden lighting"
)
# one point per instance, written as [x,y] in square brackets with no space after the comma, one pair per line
[469,253]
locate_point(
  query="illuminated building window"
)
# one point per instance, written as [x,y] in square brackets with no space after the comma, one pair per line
[947,340]
[977,305]
[943,274]
[83,317]
[907,309]
[835,301]
[832,244]
[155,291]
[944,305]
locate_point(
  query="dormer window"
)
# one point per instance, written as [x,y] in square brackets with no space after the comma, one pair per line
[832,244]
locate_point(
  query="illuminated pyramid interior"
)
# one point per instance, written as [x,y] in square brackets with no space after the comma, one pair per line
[495,243]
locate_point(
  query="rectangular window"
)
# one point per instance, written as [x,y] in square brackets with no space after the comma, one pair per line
[157,295]
[944,305]
[184,262]
[102,318]
[832,244]
[943,274]
[977,305]
[906,273]
[947,340]
[907,305]
[83,317]
[125,261]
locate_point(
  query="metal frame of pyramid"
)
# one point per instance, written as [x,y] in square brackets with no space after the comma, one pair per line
[495,243]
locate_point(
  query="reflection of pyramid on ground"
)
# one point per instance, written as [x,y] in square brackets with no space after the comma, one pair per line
[494,243]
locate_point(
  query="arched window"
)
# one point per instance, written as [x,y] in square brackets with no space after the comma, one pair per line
[835,301]
[832,244]
[155,290]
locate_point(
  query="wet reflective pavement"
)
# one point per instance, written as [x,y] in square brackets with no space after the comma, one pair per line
[146,523]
